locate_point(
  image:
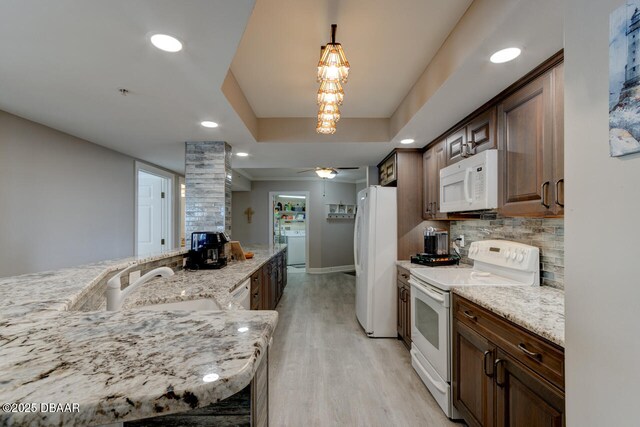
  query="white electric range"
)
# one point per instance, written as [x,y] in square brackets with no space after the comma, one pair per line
[496,263]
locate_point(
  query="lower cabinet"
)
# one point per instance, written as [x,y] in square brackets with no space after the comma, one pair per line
[404,307]
[268,283]
[502,374]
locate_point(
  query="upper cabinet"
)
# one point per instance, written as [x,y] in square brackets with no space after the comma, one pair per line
[387,171]
[531,148]
[477,135]
[434,159]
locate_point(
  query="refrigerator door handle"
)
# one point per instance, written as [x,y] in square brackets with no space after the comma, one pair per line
[355,241]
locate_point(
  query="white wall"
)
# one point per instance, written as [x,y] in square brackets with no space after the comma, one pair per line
[330,242]
[602,280]
[63,201]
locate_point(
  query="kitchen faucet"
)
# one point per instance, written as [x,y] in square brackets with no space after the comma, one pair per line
[116,296]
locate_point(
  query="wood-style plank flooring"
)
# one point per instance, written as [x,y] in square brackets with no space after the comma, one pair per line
[324,371]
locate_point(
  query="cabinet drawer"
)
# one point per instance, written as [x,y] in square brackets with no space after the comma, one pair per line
[256,280]
[539,355]
[403,275]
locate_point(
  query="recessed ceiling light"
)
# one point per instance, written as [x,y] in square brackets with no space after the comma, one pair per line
[505,55]
[407,141]
[242,154]
[166,43]
[209,124]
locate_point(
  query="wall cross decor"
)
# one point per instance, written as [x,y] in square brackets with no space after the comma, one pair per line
[249,213]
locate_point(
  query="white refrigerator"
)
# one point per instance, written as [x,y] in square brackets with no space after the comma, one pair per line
[375,252]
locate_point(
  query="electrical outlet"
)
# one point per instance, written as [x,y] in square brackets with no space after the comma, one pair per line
[461,237]
[133,276]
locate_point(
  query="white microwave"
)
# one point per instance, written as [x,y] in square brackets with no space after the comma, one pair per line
[471,184]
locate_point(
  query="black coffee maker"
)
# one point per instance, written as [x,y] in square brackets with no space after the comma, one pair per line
[207,250]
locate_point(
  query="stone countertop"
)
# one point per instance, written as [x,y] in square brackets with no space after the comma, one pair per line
[47,291]
[188,285]
[123,365]
[539,309]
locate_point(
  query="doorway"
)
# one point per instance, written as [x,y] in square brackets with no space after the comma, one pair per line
[289,224]
[154,231]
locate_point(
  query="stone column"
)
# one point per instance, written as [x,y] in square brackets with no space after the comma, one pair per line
[208,187]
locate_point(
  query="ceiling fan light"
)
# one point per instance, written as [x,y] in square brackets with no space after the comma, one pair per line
[326,173]
[327,127]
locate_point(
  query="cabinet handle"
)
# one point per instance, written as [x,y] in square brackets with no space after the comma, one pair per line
[469,316]
[484,363]
[531,354]
[558,192]
[496,366]
[543,192]
[406,276]
[404,295]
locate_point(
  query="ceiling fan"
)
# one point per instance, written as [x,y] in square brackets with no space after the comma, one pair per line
[329,173]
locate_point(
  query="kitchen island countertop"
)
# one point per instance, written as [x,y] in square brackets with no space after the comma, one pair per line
[126,365]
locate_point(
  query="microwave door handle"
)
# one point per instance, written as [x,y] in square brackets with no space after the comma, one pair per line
[467,181]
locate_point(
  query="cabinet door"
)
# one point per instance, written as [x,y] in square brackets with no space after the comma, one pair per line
[473,372]
[525,139]
[525,399]
[428,167]
[256,291]
[275,294]
[400,309]
[558,140]
[440,162]
[407,316]
[456,145]
[481,132]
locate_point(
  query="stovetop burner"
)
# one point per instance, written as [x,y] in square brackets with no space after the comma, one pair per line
[435,260]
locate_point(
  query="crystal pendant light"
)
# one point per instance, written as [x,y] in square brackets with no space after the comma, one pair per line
[333,65]
[330,93]
[326,127]
[329,113]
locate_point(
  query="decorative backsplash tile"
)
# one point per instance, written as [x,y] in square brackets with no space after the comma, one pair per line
[544,233]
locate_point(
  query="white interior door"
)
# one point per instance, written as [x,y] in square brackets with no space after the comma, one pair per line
[150,213]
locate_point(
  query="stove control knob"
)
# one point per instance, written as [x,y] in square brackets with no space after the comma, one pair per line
[513,255]
[520,257]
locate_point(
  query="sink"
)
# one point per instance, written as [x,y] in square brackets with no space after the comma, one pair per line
[192,305]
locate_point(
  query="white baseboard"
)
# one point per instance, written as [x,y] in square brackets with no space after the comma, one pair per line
[336,269]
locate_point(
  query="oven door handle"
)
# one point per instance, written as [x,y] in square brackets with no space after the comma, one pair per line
[433,295]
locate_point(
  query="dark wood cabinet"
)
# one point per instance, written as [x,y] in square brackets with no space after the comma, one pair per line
[481,132]
[404,307]
[530,124]
[524,398]
[455,145]
[408,182]
[257,297]
[502,374]
[387,171]
[475,135]
[434,159]
[268,283]
[473,377]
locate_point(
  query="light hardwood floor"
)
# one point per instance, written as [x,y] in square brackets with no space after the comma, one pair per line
[324,371]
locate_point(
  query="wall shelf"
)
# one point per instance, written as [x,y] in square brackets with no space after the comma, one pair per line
[341,211]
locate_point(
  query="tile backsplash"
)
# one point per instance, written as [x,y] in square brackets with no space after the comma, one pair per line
[544,233]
